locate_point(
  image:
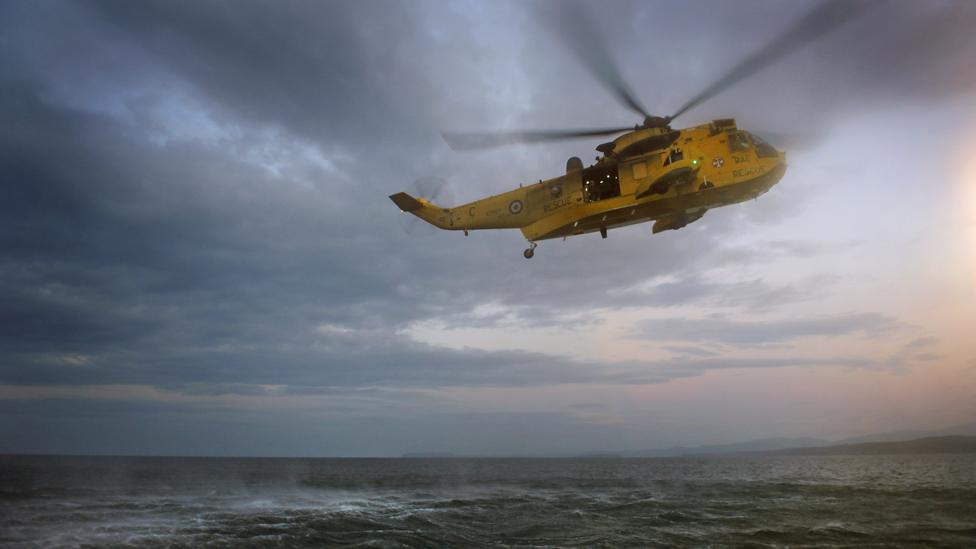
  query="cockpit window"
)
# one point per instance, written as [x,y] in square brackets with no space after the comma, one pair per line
[763,149]
[738,142]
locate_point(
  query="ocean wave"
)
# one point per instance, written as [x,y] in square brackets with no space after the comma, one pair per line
[544,503]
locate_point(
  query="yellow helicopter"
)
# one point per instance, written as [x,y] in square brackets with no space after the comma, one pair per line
[650,173]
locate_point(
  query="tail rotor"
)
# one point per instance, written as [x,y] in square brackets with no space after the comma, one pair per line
[433,189]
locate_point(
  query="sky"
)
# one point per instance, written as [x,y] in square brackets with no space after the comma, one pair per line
[198,255]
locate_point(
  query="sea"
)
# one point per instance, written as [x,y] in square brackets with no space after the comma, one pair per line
[731,501]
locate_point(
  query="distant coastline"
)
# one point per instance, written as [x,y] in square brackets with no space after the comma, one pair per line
[928,445]
[428,455]
[947,444]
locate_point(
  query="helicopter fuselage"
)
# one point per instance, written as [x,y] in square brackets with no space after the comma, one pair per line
[649,174]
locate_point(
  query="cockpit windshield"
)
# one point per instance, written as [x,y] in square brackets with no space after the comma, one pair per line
[763,149]
[739,142]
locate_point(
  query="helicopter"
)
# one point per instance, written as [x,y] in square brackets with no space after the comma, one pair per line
[650,173]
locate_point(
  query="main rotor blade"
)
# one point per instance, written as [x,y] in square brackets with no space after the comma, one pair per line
[817,22]
[481,140]
[570,24]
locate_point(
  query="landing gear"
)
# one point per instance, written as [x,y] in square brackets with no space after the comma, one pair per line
[530,251]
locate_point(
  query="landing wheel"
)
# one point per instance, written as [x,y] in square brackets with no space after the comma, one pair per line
[530,251]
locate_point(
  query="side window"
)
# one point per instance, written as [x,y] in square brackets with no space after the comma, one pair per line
[640,170]
[738,142]
[600,183]
[674,156]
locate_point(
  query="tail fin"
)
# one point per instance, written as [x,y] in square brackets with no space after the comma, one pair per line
[406,202]
[428,211]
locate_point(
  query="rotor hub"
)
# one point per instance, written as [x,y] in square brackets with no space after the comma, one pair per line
[663,122]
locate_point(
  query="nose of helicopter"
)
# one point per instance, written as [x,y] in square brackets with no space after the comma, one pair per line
[780,169]
[764,150]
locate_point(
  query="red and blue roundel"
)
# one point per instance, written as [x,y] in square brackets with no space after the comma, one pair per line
[515,207]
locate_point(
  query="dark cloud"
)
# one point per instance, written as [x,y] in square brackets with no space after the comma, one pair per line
[321,70]
[130,261]
[162,428]
[362,422]
[755,295]
[737,332]
[194,195]
[690,350]
[352,360]
[895,52]
[130,250]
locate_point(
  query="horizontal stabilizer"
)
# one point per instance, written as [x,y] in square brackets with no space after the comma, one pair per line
[406,202]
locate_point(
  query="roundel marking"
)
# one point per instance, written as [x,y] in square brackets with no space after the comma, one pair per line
[515,207]
[718,161]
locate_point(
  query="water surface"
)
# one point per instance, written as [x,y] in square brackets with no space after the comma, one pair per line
[825,501]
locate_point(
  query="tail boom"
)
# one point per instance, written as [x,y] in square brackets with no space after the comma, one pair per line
[503,211]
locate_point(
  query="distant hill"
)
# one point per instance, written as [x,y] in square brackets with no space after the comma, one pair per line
[953,444]
[606,455]
[758,445]
[955,439]
[795,445]
[966,429]
[427,455]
